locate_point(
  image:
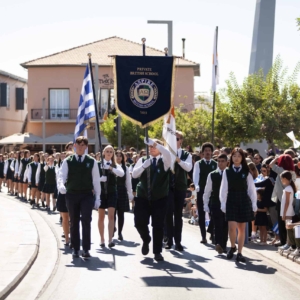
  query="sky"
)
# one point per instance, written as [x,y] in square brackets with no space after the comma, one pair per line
[30,29]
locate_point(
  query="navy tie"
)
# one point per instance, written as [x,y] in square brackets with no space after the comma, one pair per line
[79,158]
[154,163]
[237,169]
[108,164]
[207,162]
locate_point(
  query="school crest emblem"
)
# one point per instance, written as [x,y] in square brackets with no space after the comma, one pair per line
[87,165]
[143,93]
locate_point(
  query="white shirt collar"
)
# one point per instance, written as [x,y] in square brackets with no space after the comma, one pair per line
[233,167]
[107,161]
[209,161]
[220,171]
[157,157]
[82,156]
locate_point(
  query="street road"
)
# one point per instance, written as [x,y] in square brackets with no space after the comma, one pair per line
[124,273]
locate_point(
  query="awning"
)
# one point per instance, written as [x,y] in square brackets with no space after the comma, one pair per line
[21,138]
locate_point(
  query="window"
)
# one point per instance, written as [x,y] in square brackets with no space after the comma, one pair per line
[59,104]
[4,95]
[19,99]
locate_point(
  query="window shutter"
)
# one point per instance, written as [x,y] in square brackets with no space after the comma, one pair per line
[19,99]
[3,94]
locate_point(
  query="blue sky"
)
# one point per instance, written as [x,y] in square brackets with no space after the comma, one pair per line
[30,29]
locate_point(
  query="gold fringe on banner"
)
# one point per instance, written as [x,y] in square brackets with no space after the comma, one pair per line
[133,120]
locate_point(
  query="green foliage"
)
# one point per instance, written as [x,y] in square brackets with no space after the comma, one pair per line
[132,135]
[298,23]
[261,108]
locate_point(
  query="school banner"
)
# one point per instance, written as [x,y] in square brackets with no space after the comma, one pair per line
[144,87]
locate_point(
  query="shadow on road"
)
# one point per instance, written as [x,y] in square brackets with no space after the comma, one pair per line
[92,264]
[171,281]
[128,244]
[113,251]
[249,266]
[192,259]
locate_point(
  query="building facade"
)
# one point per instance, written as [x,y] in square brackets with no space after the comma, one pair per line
[13,104]
[58,79]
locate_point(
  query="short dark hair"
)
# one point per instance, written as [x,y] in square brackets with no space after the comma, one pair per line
[260,192]
[207,145]
[250,150]
[222,156]
[82,139]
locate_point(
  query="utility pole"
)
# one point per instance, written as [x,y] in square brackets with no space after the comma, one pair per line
[170,33]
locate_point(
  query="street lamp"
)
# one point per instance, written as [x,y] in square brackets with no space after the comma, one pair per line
[170,33]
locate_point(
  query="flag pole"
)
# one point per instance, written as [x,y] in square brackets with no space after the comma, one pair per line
[214,97]
[97,117]
[147,139]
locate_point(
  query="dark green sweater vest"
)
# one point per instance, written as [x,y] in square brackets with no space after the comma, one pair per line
[205,169]
[80,179]
[33,171]
[237,181]
[24,165]
[216,179]
[180,174]
[121,181]
[111,180]
[50,176]
[160,185]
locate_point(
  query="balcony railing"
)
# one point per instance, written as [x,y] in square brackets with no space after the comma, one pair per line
[54,114]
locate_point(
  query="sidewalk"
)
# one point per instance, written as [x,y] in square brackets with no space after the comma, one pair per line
[19,244]
[269,252]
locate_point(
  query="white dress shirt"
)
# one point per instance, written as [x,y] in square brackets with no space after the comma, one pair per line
[196,173]
[63,175]
[186,165]
[208,188]
[166,158]
[251,190]
[128,184]
[118,171]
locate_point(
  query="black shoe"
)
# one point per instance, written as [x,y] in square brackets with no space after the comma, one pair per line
[43,204]
[145,247]
[63,236]
[75,253]
[120,237]
[158,257]
[178,247]
[240,258]
[230,253]
[219,249]
[165,239]
[203,242]
[85,254]
[111,244]
[102,245]
[168,246]
[60,219]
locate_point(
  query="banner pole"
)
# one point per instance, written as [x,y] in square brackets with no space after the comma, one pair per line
[97,119]
[147,139]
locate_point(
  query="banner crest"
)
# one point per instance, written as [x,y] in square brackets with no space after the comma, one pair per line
[144,87]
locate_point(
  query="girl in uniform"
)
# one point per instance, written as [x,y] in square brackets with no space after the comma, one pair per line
[238,200]
[40,176]
[8,173]
[24,184]
[1,170]
[124,191]
[109,170]
[50,182]
[61,204]
[31,176]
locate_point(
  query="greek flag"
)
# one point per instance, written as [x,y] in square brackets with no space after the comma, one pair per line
[86,108]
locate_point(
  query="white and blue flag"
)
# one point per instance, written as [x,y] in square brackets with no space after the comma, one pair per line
[86,108]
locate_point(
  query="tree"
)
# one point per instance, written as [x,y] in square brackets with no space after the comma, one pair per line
[261,108]
[132,135]
[298,23]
